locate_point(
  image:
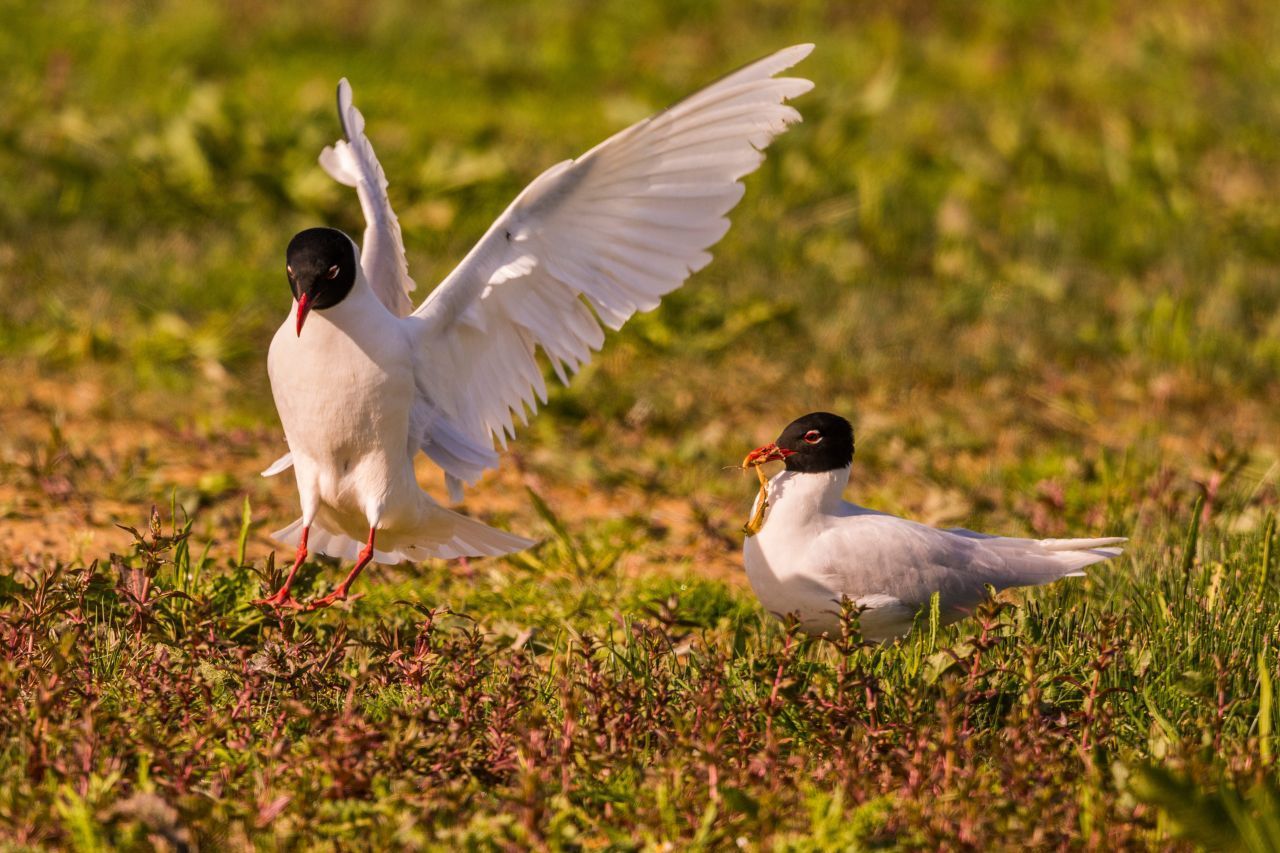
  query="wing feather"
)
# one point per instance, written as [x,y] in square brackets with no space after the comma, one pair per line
[351,161]
[592,241]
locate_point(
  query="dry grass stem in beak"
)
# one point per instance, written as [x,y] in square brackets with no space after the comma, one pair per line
[753,525]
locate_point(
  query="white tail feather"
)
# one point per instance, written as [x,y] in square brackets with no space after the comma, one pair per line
[1084,544]
[284,463]
[1030,562]
[462,537]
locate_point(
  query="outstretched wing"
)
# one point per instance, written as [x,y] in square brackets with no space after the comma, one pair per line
[351,161]
[611,232]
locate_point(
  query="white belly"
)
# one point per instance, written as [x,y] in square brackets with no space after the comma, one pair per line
[344,397]
[789,585]
[779,576]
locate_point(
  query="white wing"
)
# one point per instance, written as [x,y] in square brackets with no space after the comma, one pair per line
[353,163]
[622,225]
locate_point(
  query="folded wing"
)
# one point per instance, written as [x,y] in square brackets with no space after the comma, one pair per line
[592,241]
[909,561]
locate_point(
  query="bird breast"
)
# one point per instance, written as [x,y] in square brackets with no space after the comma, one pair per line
[344,394]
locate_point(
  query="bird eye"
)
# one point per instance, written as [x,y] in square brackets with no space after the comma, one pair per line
[333,272]
[289,270]
[812,437]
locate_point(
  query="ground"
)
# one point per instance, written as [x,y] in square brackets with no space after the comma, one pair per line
[1030,250]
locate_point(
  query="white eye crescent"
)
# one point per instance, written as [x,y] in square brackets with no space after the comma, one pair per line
[812,437]
[289,270]
[333,272]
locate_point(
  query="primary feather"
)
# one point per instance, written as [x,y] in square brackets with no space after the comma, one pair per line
[351,162]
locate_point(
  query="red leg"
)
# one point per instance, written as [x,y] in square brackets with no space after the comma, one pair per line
[340,594]
[281,597]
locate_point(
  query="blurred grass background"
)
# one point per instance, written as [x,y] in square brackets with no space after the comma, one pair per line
[1016,243]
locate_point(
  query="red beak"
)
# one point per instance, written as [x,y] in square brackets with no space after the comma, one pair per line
[768,453]
[303,308]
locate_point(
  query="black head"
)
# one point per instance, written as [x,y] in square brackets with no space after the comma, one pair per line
[813,444]
[321,264]
[818,442]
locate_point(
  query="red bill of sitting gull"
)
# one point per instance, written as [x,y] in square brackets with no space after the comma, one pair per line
[363,381]
[809,553]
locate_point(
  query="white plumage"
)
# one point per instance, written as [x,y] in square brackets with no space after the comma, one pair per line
[815,550]
[370,382]
[622,225]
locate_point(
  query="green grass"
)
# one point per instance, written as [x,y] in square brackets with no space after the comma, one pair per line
[555,701]
[1032,250]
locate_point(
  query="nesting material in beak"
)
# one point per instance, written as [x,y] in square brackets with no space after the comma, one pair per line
[756,459]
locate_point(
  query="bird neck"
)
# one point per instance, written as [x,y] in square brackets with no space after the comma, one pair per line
[359,304]
[794,492]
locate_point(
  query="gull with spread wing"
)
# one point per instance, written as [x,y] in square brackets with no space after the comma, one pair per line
[363,381]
